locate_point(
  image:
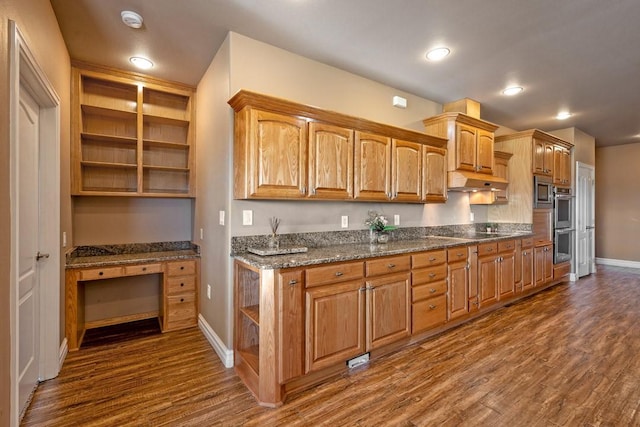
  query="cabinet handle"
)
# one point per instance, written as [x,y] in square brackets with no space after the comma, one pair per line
[101,273]
[391,265]
[432,275]
[431,306]
[362,289]
[370,288]
[489,249]
[460,255]
[313,191]
[339,273]
[181,284]
[181,299]
[524,253]
[144,268]
[303,190]
[182,267]
[432,290]
[292,282]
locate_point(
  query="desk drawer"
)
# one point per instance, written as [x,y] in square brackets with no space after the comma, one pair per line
[134,270]
[181,284]
[181,311]
[101,273]
[181,268]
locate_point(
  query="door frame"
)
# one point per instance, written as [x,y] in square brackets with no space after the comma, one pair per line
[25,71]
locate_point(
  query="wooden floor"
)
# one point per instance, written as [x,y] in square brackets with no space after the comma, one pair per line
[569,356]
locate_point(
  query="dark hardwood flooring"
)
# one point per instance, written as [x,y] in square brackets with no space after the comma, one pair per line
[568,356]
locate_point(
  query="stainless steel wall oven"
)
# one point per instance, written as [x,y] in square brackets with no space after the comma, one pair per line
[563,230]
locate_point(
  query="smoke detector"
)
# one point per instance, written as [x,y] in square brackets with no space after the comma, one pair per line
[131,19]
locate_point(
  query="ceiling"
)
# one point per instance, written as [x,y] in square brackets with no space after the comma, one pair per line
[577,55]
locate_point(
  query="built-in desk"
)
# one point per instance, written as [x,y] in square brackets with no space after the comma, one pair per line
[177,262]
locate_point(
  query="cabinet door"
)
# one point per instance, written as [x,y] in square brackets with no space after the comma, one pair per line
[548,158]
[466,147]
[561,167]
[527,268]
[372,167]
[278,145]
[334,320]
[484,147]
[539,259]
[458,274]
[542,157]
[501,169]
[566,163]
[330,161]
[388,310]
[474,299]
[406,171]
[507,274]
[548,263]
[488,280]
[434,173]
[291,325]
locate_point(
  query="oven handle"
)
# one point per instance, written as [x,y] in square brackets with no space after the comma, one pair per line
[564,230]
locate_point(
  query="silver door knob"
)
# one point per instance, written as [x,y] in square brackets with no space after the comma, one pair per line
[40,255]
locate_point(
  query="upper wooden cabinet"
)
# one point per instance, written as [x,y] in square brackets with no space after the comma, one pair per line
[561,166]
[470,143]
[131,135]
[501,170]
[542,157]
[284,150]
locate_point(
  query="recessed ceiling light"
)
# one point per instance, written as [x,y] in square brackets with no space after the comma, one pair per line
[140,62]
[563,115]
[131,19]
[512,90]
[438,54]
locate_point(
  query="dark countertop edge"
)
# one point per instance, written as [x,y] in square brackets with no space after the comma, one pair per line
[351,252]
[127,259]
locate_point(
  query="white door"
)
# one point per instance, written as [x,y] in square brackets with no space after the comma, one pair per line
[27,219]
[585,219]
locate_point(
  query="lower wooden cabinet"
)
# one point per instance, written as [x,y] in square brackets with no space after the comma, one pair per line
[487,274]
[291,325]
[428,290]
[388,310]
[458,275]
[527,257]
[180,289]
[507,269]
[543,272]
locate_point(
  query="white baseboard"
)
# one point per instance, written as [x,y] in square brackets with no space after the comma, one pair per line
[62,353]
[618,262]
[573,277]
[225,355]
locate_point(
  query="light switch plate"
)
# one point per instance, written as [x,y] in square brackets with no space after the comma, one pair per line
[396,219]
[201,234]
[247,217]
[345,221]
[221,218]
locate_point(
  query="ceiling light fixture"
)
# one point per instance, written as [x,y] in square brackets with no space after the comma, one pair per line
[512,90]
[438,54]
[140,62]
[563,115]
[131,19]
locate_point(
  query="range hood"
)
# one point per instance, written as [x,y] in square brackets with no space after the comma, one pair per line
[470,181]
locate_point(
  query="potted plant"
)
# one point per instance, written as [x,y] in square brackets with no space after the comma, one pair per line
[379,227]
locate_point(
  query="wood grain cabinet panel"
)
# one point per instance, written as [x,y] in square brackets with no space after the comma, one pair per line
[330,161]
[458,274]
[388,309]
[372,169]
[434,174]
[406,171]
[561,167]
[180,306]
[291,325]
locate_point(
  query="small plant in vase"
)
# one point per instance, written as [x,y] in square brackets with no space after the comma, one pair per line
[379,227]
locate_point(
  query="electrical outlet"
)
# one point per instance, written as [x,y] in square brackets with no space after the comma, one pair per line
[345,221]
[221,217]
[396,219]
[64,239]
[471,216]
[201,234]
[247,217]
[208,291]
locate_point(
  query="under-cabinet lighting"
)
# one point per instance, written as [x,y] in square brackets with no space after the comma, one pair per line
[140,62]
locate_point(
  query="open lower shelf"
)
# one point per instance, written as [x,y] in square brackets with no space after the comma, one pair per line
[251,355]
[108,165]
[252,312]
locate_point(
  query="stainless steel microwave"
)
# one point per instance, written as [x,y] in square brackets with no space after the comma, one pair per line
[542,192]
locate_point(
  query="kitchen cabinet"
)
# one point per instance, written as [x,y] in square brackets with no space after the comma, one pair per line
[434,174]
[428,290]
[291,324]
[543,271]
[471,141]
[507,274]
[487,274]
[180,305]
[131,135]
[543,157]
[330,161]
[561,167]
[501,170]
[285,150]
[527,269]
[372,167]
[459,283]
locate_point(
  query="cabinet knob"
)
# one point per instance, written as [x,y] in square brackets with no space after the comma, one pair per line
[431,307]
[181,299]
[182,267]
[432,259]
[181,284]
[460,255]
[391,265]
[101,273]
[432,275]
[432,290]
[339,273]
[144,268]
[292,282]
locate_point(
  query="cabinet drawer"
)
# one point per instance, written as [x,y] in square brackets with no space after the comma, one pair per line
[561,270]
[506,246]
[101,273]
[388,265]
[487,249]
[428,259]
[428,275]
[181,268]
[132,270]
[181,307]
[334,273]
[429,313]
[427,291]
[527,243]
[181,284]
[457,254]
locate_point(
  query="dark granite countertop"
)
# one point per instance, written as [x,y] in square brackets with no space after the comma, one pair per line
[356,251]
[114,255]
